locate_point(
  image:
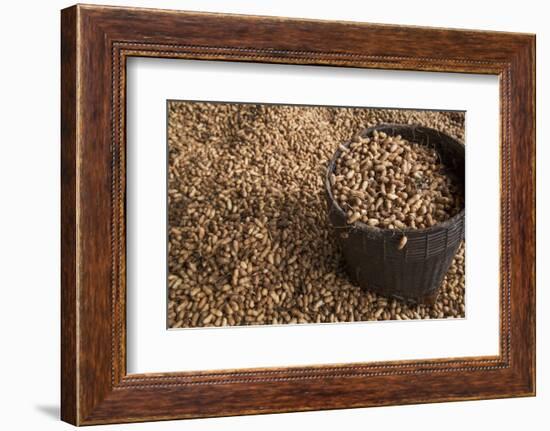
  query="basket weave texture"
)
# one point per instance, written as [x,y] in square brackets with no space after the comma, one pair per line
[372,257]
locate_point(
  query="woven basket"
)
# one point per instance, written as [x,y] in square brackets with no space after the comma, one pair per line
[372,257]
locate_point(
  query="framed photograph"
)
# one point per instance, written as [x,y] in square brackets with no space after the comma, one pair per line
[263,214]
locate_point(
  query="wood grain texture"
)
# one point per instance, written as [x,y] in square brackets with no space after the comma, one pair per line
[96,41]
[69,397]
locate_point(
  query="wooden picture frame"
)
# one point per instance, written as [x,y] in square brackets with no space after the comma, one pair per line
[95,43]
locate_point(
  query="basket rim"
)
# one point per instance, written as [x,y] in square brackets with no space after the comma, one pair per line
[376,230]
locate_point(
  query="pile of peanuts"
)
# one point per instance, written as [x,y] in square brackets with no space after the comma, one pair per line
[388,182]
[249,241]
